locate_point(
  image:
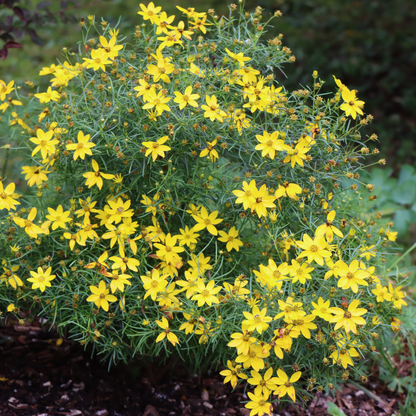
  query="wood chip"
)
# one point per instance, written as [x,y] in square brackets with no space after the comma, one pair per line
[150,411]
[208,405]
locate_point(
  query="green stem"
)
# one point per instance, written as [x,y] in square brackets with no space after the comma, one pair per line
[6,159]
[402,256]
[367,392]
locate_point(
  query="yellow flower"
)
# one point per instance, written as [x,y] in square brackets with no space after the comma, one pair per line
[231,239]
[246,196]
[99,59]
[238,57]
[96,177]
[269,144]
[259,404]
[264,383]
[101,296]
[31,229]
[352,104]
[110,47]
[35,175]
[10,277]
[391,235]
[206,294]
[117,210]
[233,373]
[169,251]
[83,147]
[285,384]
[328,228]
[344,355]
[382,293]
[150,12]
[58,217]
[397,296]
[199,24]
[200,263]
[172,338]
[212,109]
[288,189]
[254,358]
[5,89]
[188,236]
[207,221]
[47,96]
[242,341]
[210,151]
[300,272]
[351,276]
[257,321]
[297,154]
[158,102]
[314,249]
[322,309]
[118,280]
[157,148]
[262,201]
[186,99]
[123,262]
[41,279]
[350,318]
[155,284]
[7,200]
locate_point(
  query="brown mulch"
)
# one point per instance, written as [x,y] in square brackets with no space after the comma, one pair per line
[40,378]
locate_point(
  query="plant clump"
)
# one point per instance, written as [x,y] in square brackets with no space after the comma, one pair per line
[186,203]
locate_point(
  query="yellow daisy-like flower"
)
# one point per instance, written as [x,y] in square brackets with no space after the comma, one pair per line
[45,143]
[101,296]
[172,338]
[30,227]
[256,321]
[41,279]
[150,12]
[157,148]
[49,95]
[314,249]
[212,109]
[83,147]
[269,144]
[349,319]
[233,374]
[207,221]
[285,384]
[231,239]
[186,99]
[96,177]
[206,294]
[7,200]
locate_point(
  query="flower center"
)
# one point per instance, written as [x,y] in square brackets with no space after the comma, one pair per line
[313,248]
[347,315]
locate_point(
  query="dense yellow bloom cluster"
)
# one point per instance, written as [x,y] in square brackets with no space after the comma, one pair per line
[185,201]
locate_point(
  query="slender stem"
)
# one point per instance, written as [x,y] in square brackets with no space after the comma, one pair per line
[6,159]
[368,392]
[402,256]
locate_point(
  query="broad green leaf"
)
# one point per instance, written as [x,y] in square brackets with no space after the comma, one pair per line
[334,410]
[405,193]
[407,173]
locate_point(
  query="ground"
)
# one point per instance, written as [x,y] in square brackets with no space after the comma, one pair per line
[39,378]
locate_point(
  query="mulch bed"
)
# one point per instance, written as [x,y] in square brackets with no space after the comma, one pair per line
[39,378]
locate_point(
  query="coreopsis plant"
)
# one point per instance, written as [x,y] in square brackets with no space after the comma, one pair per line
[185,202]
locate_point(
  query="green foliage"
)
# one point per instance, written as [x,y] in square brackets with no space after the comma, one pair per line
[334,410]
[185,201]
